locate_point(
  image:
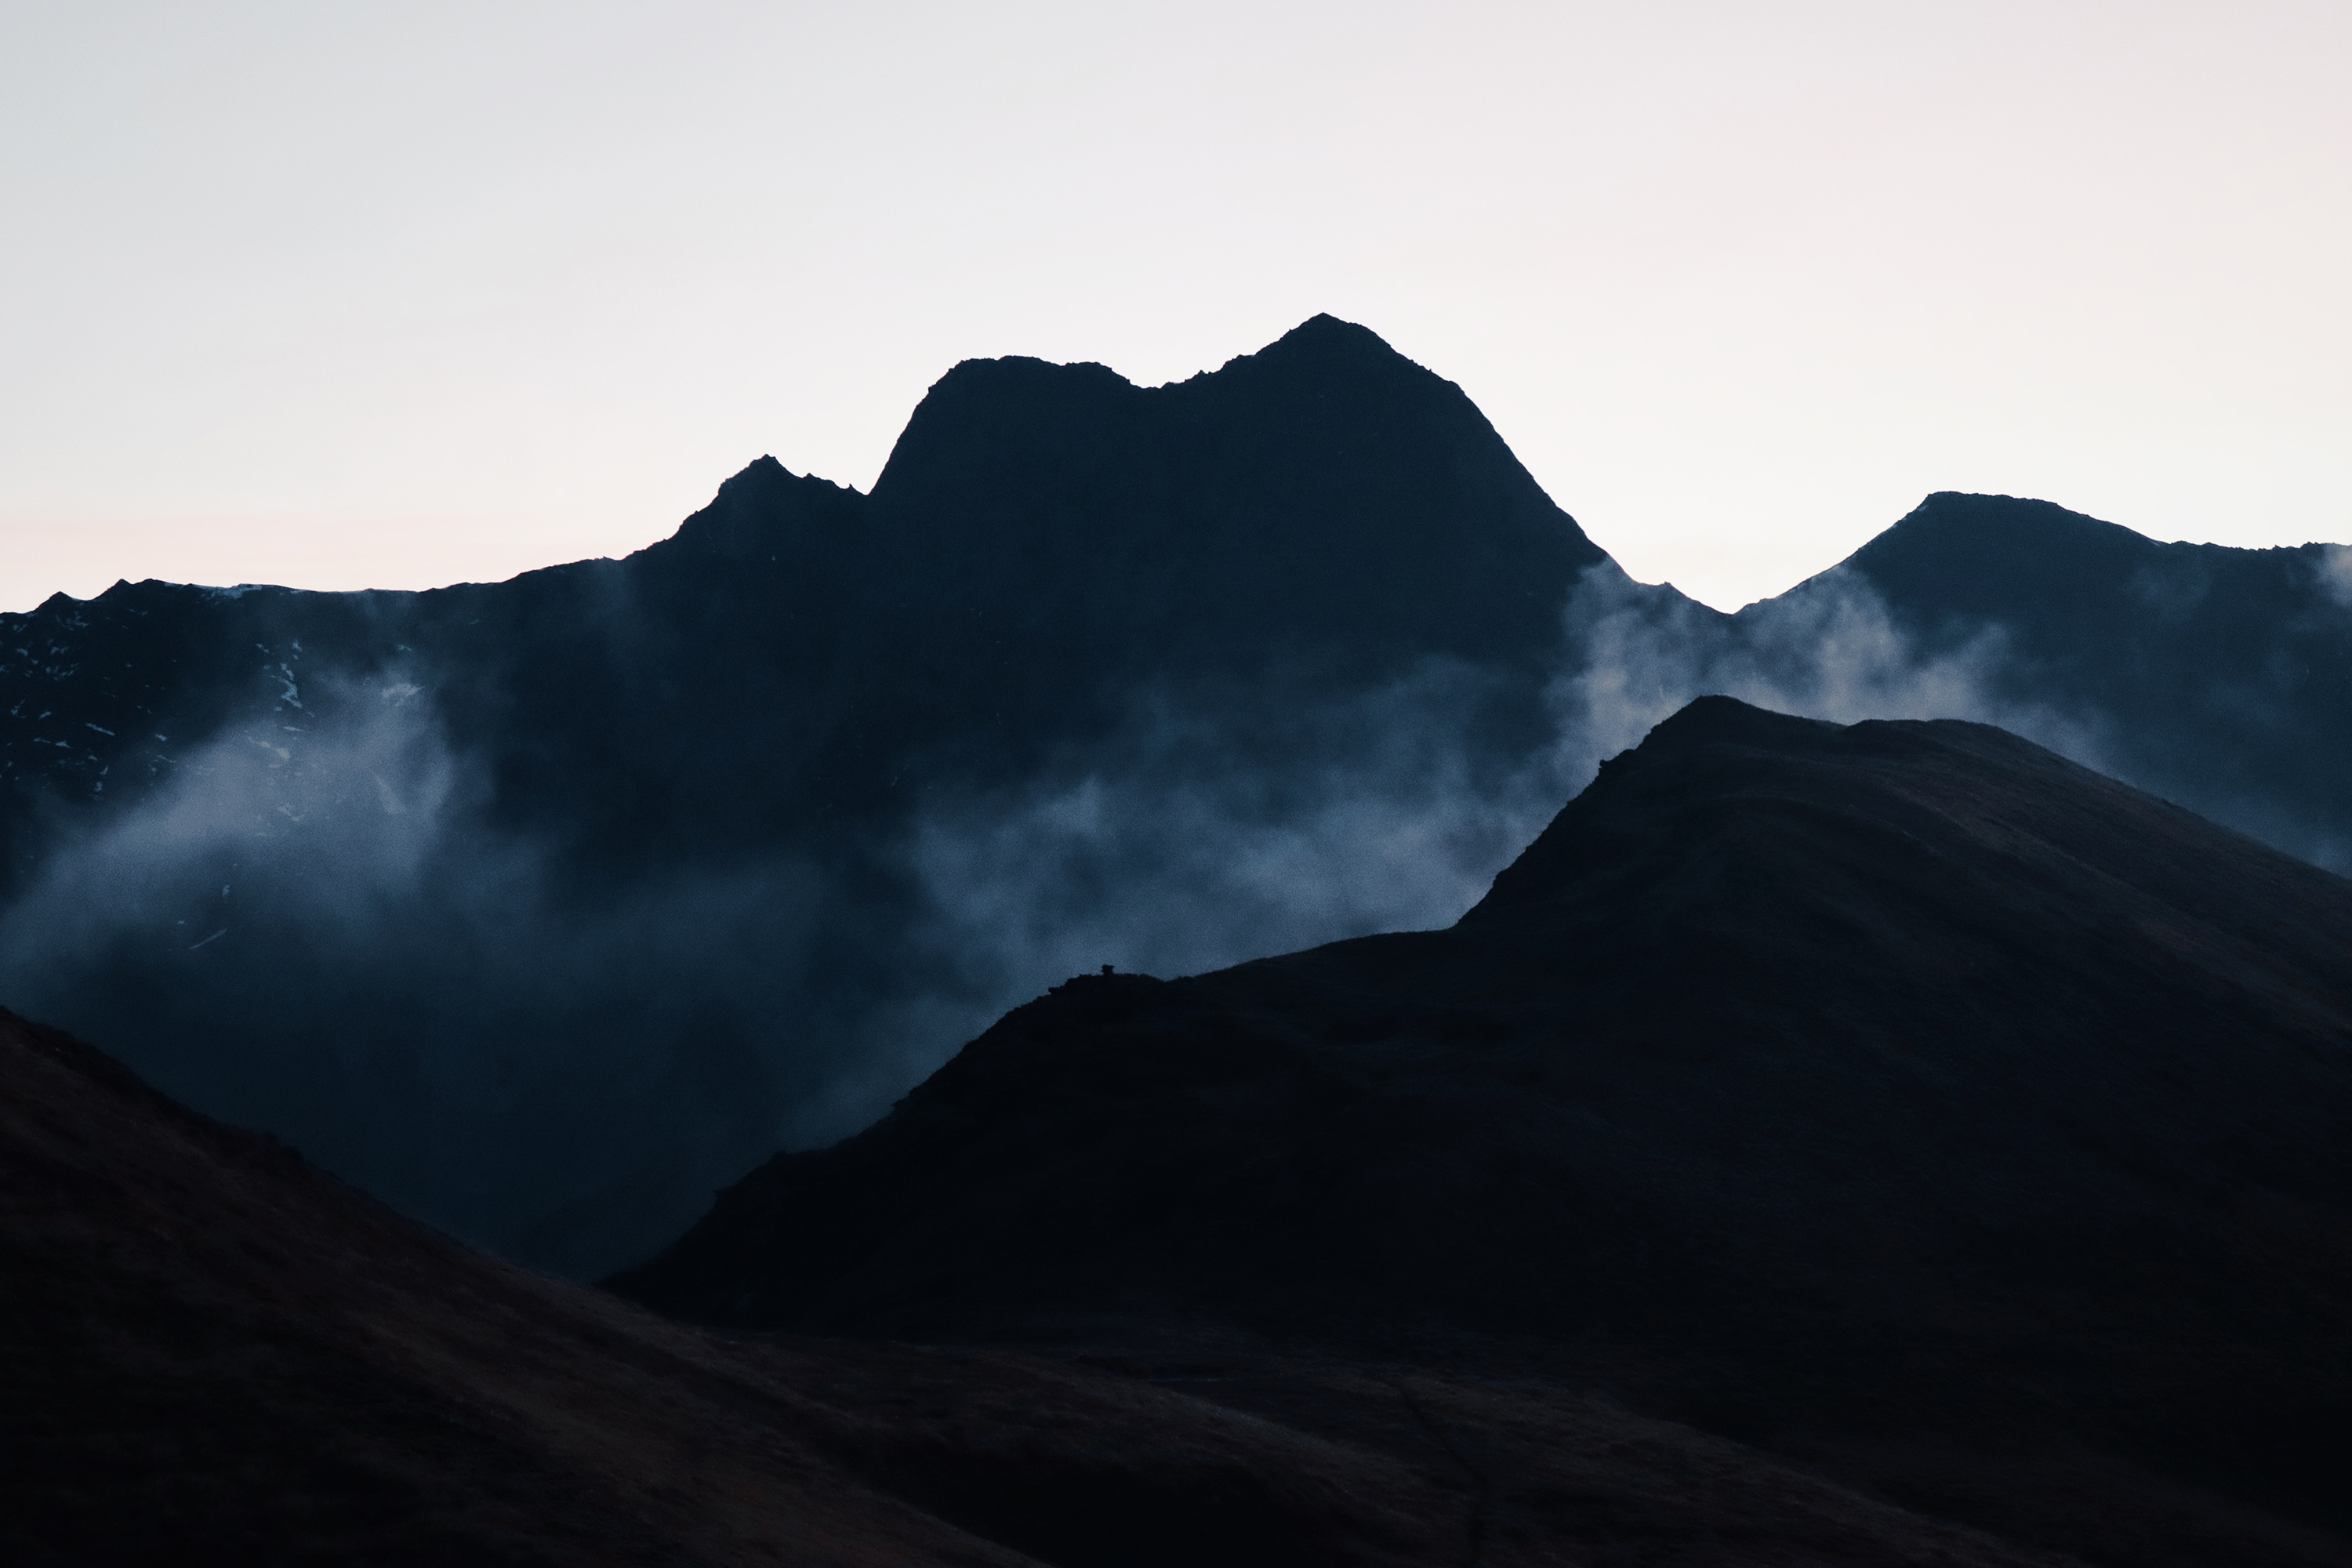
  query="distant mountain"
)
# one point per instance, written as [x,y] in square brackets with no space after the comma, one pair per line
[2219,677]
[1900,1099]
[211,1352]
[542,908]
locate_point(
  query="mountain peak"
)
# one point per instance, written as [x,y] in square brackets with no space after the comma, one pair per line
[761,469]
[1717,721]
[1953,531]
[1325,332]
[1846,1089]
[1787,781]
[760,510]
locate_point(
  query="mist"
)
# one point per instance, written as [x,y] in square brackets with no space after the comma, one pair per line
[1168,851]
[326,919]
[317,929]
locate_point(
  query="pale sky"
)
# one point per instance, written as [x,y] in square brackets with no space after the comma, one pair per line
[389,295]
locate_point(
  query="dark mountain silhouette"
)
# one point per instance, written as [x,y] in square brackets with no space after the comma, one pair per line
[2217,676]
[542,908]
[1900,1099]
[210,1351]
[1044,539]
[536,907]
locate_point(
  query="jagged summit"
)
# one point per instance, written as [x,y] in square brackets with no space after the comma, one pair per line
[1326,340]
[764,510]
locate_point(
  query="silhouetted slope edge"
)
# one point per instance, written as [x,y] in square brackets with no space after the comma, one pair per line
[211,1353]
[1900,1096]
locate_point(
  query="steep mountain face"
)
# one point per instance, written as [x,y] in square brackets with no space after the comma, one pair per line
[1899,1098]
[210,1351]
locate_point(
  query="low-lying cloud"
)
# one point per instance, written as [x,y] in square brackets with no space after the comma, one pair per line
[1168,850]
[316,926]
[1829,649]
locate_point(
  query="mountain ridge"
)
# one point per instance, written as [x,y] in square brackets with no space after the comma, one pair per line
[1856,1092]
[685,752]
[745,831]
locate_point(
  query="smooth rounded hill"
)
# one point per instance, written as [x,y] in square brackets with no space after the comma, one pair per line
[1902,1097]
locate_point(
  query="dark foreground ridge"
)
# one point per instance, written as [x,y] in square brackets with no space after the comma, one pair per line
[1900,1099]
[212,1353]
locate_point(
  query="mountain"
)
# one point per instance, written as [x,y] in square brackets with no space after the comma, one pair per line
[1044,539]
[212,1352]
[542,908]
[1901,1100]
[2219,677]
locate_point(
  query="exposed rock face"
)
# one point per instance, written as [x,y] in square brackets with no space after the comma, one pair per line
[1900,1098]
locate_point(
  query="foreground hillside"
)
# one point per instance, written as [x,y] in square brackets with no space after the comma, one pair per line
[212,1353]
[1900,1099]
